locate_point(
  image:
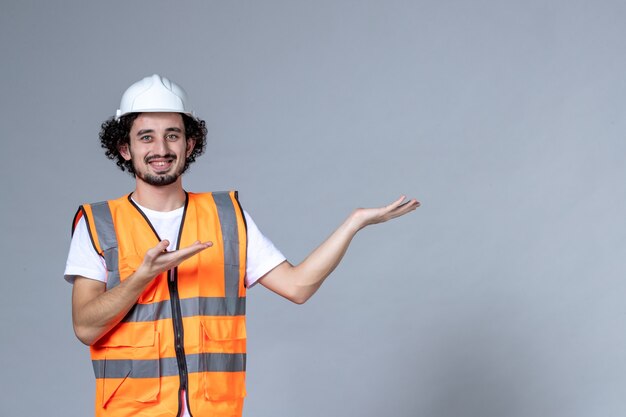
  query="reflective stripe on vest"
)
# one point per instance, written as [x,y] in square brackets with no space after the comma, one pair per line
[200,306]
[210,301]
[228,221]
[204,362]
[108,241]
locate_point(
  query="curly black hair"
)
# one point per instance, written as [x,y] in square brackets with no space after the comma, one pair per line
[115,133]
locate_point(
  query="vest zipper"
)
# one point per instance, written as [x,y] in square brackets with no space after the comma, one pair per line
[177,322]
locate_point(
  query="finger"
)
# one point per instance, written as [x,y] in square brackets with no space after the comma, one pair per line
[193,249]
[383,211]
[197,242]
[398,202]
[404,209]
[401,204]
[158,249]
[411,204]
[206,244]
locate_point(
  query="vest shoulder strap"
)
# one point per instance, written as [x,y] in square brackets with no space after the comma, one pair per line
[103,238]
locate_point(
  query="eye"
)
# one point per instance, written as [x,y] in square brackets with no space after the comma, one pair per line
[145,138]
[172,137]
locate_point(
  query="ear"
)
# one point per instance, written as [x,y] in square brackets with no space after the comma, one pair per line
[191,142]
[124,150]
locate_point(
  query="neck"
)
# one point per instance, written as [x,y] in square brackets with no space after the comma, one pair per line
[160,198]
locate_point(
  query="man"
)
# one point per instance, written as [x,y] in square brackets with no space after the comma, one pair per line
[160,275]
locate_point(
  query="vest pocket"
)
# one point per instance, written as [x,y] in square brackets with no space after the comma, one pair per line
[131,372]
[223,359]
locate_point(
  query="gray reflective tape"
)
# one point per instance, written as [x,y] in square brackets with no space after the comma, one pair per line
[213,306]
[153,368]
[190,307]
[122,368]
[108,241]
[149,312]
[216,362]
[230,239]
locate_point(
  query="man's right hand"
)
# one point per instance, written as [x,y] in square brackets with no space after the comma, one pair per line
[158,259]
[95,311]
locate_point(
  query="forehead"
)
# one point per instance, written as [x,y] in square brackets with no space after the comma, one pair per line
[157,121]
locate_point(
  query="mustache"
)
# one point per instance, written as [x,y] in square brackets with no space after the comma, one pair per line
[147,159]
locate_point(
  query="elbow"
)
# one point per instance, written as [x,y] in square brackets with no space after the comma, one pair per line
[85,340]
[299,299]
[85,336]
[301,295]
[294,297]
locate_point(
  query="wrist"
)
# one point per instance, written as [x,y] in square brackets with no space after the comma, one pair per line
[355,222]
[140,277]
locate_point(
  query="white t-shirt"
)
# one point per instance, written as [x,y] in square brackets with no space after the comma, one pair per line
[261,257]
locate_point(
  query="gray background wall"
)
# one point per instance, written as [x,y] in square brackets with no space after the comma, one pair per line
[501,296]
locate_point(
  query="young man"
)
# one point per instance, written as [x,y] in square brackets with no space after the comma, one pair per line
[160,275]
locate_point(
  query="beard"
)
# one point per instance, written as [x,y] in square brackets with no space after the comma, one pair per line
[159,180]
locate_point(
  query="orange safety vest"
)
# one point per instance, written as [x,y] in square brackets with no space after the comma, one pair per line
[187,330]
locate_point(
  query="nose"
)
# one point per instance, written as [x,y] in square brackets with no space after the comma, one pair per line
[161,147]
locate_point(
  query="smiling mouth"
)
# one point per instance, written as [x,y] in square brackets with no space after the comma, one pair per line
[160,163]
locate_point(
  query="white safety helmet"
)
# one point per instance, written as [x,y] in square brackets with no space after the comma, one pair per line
[153,94]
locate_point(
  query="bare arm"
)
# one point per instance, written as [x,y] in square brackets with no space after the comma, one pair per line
[96,311]
[298,283]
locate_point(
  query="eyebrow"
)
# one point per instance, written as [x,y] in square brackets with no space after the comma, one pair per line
[144,131]
[169,129]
